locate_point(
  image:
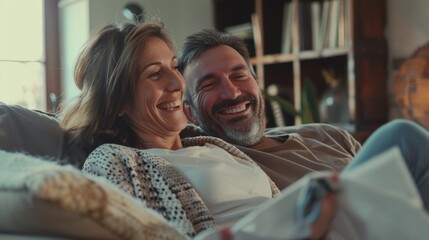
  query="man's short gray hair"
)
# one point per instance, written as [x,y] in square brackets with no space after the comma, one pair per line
[206,39]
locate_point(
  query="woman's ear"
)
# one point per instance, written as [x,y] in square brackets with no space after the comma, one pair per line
[188,112]
[123,110]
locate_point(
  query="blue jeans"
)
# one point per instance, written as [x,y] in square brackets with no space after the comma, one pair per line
[412,140]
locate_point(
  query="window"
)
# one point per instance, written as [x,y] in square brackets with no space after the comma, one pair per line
[22,53]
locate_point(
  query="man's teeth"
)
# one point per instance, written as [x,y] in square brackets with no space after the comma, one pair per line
[170,105]
[235,110]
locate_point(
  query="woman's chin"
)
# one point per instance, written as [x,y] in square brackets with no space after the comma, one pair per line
[176,125]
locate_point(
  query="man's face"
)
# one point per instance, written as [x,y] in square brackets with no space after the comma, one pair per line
[225,98]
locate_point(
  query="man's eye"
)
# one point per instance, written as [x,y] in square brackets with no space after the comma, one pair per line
[206,86]
[240,76]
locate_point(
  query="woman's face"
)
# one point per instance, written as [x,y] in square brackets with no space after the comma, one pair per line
[158,109]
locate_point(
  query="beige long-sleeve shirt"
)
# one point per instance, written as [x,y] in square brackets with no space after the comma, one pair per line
[305,148]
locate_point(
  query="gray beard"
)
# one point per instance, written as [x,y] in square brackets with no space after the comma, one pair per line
[247,135]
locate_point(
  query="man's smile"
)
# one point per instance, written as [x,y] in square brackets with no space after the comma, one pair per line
[237,110]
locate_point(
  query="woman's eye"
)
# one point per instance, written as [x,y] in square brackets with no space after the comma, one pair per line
[154,75]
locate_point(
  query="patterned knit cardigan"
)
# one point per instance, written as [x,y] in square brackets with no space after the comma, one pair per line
[157,183]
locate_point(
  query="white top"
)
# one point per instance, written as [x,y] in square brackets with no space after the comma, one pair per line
[229,186]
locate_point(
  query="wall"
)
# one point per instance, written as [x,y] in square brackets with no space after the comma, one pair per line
[80,18]
[74,31]
[408,29]
[408,26]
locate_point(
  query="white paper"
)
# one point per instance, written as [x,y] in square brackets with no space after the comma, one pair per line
[377,200]
[273,219]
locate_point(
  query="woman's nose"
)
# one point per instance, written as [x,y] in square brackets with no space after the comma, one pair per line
[176,82]
[229,90]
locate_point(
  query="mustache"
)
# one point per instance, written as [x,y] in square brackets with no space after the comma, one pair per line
[230,103]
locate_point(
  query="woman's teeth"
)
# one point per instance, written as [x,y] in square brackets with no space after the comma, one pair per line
[170,105]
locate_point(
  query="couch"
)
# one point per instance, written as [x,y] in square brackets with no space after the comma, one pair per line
[44,195]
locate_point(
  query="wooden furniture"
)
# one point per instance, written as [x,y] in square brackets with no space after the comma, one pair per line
[359,57]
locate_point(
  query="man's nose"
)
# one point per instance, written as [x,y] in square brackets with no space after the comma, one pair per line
[229,90]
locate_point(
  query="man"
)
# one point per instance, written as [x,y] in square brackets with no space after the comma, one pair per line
[224,99]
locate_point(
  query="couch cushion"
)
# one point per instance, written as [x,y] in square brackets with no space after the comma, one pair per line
[42,198]
[36,133]
[22,129]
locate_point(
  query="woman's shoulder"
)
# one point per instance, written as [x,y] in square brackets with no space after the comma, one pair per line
[111,150]
[108,158]
[107,148]
[119,153]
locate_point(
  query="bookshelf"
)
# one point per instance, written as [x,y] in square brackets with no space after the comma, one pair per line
[286,50]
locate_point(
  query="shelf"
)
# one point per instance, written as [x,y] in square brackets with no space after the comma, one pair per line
[283,43]
[304,55]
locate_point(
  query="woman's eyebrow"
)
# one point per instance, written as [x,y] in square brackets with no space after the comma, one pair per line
[141,71]
[154,63]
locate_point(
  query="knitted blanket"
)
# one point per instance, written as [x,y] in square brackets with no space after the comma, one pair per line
[71,204]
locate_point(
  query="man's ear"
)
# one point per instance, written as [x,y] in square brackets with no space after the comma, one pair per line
[188,112]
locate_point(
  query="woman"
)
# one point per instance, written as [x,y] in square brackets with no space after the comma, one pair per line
[129,116]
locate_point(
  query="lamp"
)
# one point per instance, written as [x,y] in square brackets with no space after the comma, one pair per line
[133,12]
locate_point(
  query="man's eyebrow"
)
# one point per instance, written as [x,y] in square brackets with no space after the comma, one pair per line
[208,76]
[239,67]
[204,78]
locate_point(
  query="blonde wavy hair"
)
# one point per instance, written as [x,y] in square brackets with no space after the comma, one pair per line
[106,72]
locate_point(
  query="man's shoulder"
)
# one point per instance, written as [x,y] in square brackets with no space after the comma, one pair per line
[327,144]
[311,130]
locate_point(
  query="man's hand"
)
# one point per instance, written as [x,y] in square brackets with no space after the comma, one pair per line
[317,205]
[320,228]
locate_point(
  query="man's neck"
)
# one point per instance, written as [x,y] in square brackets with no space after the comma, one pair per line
[266,143]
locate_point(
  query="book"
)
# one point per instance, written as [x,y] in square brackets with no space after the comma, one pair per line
[305,28]
[333,24]
[288,16]
[243,30]
[315,25]
[342,25]
[326,5]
